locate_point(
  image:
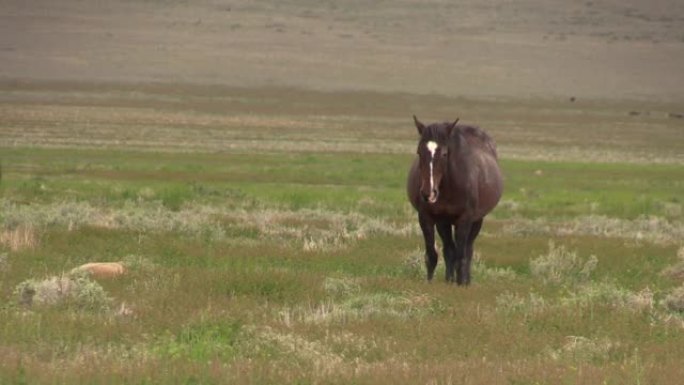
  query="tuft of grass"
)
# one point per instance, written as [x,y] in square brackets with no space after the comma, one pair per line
[413,264]
[485,273]
[654,229]
[674,301]
[138,263]
[609,294]
[23,236]
[316,230]
[174,198]
[202,341]
[676,271]
[74,290]
[348,301]
[511,303]
[4,262]
[341,287]
[580,349]
[559,266]
[310,354]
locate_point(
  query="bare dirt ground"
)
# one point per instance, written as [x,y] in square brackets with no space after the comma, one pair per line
[596,49]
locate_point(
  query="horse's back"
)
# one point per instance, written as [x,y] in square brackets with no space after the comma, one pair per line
[478,139]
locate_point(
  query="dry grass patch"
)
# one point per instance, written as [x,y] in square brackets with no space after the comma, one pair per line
[413,265]
[569,276]
[562,267]
[19,237]
[4,265]
[318,229]
[312,354]
[648,229]
[341,287]
[313,229]
[583,349]
[674,301]
[609,294]
[676,271]
[348,301]
[511,303]
[358,307]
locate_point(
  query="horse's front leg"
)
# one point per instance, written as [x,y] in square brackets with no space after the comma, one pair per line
[463,258]
[449,248]
[427,225]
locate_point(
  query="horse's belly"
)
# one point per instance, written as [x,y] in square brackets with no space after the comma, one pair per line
[490,185]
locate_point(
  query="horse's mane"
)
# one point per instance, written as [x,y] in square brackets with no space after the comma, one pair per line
[474,136]
[436,132]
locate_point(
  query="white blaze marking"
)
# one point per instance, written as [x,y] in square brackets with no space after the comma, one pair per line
[432,147]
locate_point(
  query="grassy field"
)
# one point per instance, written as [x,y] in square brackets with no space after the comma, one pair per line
[268,240]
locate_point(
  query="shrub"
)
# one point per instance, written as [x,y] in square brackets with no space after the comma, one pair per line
[485,273]
[76,290]
[508,303]
[562,267]
[583,349]
[3,262]
[413,264]
[609,294]
[675,300]
[138,263]
[676,271]
[341,286]
[19,237]
[202,341]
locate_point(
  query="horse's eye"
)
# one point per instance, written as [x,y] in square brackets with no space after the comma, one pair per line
[444,154]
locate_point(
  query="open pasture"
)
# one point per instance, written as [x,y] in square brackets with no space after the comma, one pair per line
[268,239]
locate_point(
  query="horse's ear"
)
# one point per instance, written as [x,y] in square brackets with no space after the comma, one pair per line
[450,128]
[420,126]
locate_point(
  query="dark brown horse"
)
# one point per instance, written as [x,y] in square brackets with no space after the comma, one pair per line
[453,183]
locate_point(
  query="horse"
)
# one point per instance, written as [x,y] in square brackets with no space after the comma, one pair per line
[453,183]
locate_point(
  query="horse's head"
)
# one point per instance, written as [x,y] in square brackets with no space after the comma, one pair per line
[433,154]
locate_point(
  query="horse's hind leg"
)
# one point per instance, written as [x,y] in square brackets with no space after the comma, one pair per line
[428,228]
[474,231]
[449,249]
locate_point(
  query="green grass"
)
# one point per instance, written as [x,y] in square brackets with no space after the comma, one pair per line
[616,190]
[297,265]
[334,181]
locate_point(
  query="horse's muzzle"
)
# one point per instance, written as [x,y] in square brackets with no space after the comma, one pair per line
[432,198]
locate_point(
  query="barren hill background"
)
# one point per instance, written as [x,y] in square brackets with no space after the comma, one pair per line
[603,49]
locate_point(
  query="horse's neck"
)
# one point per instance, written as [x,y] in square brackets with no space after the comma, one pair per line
[459,148]
[460,154]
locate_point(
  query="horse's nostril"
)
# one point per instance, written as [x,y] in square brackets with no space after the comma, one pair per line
[430,197]
[433,197]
